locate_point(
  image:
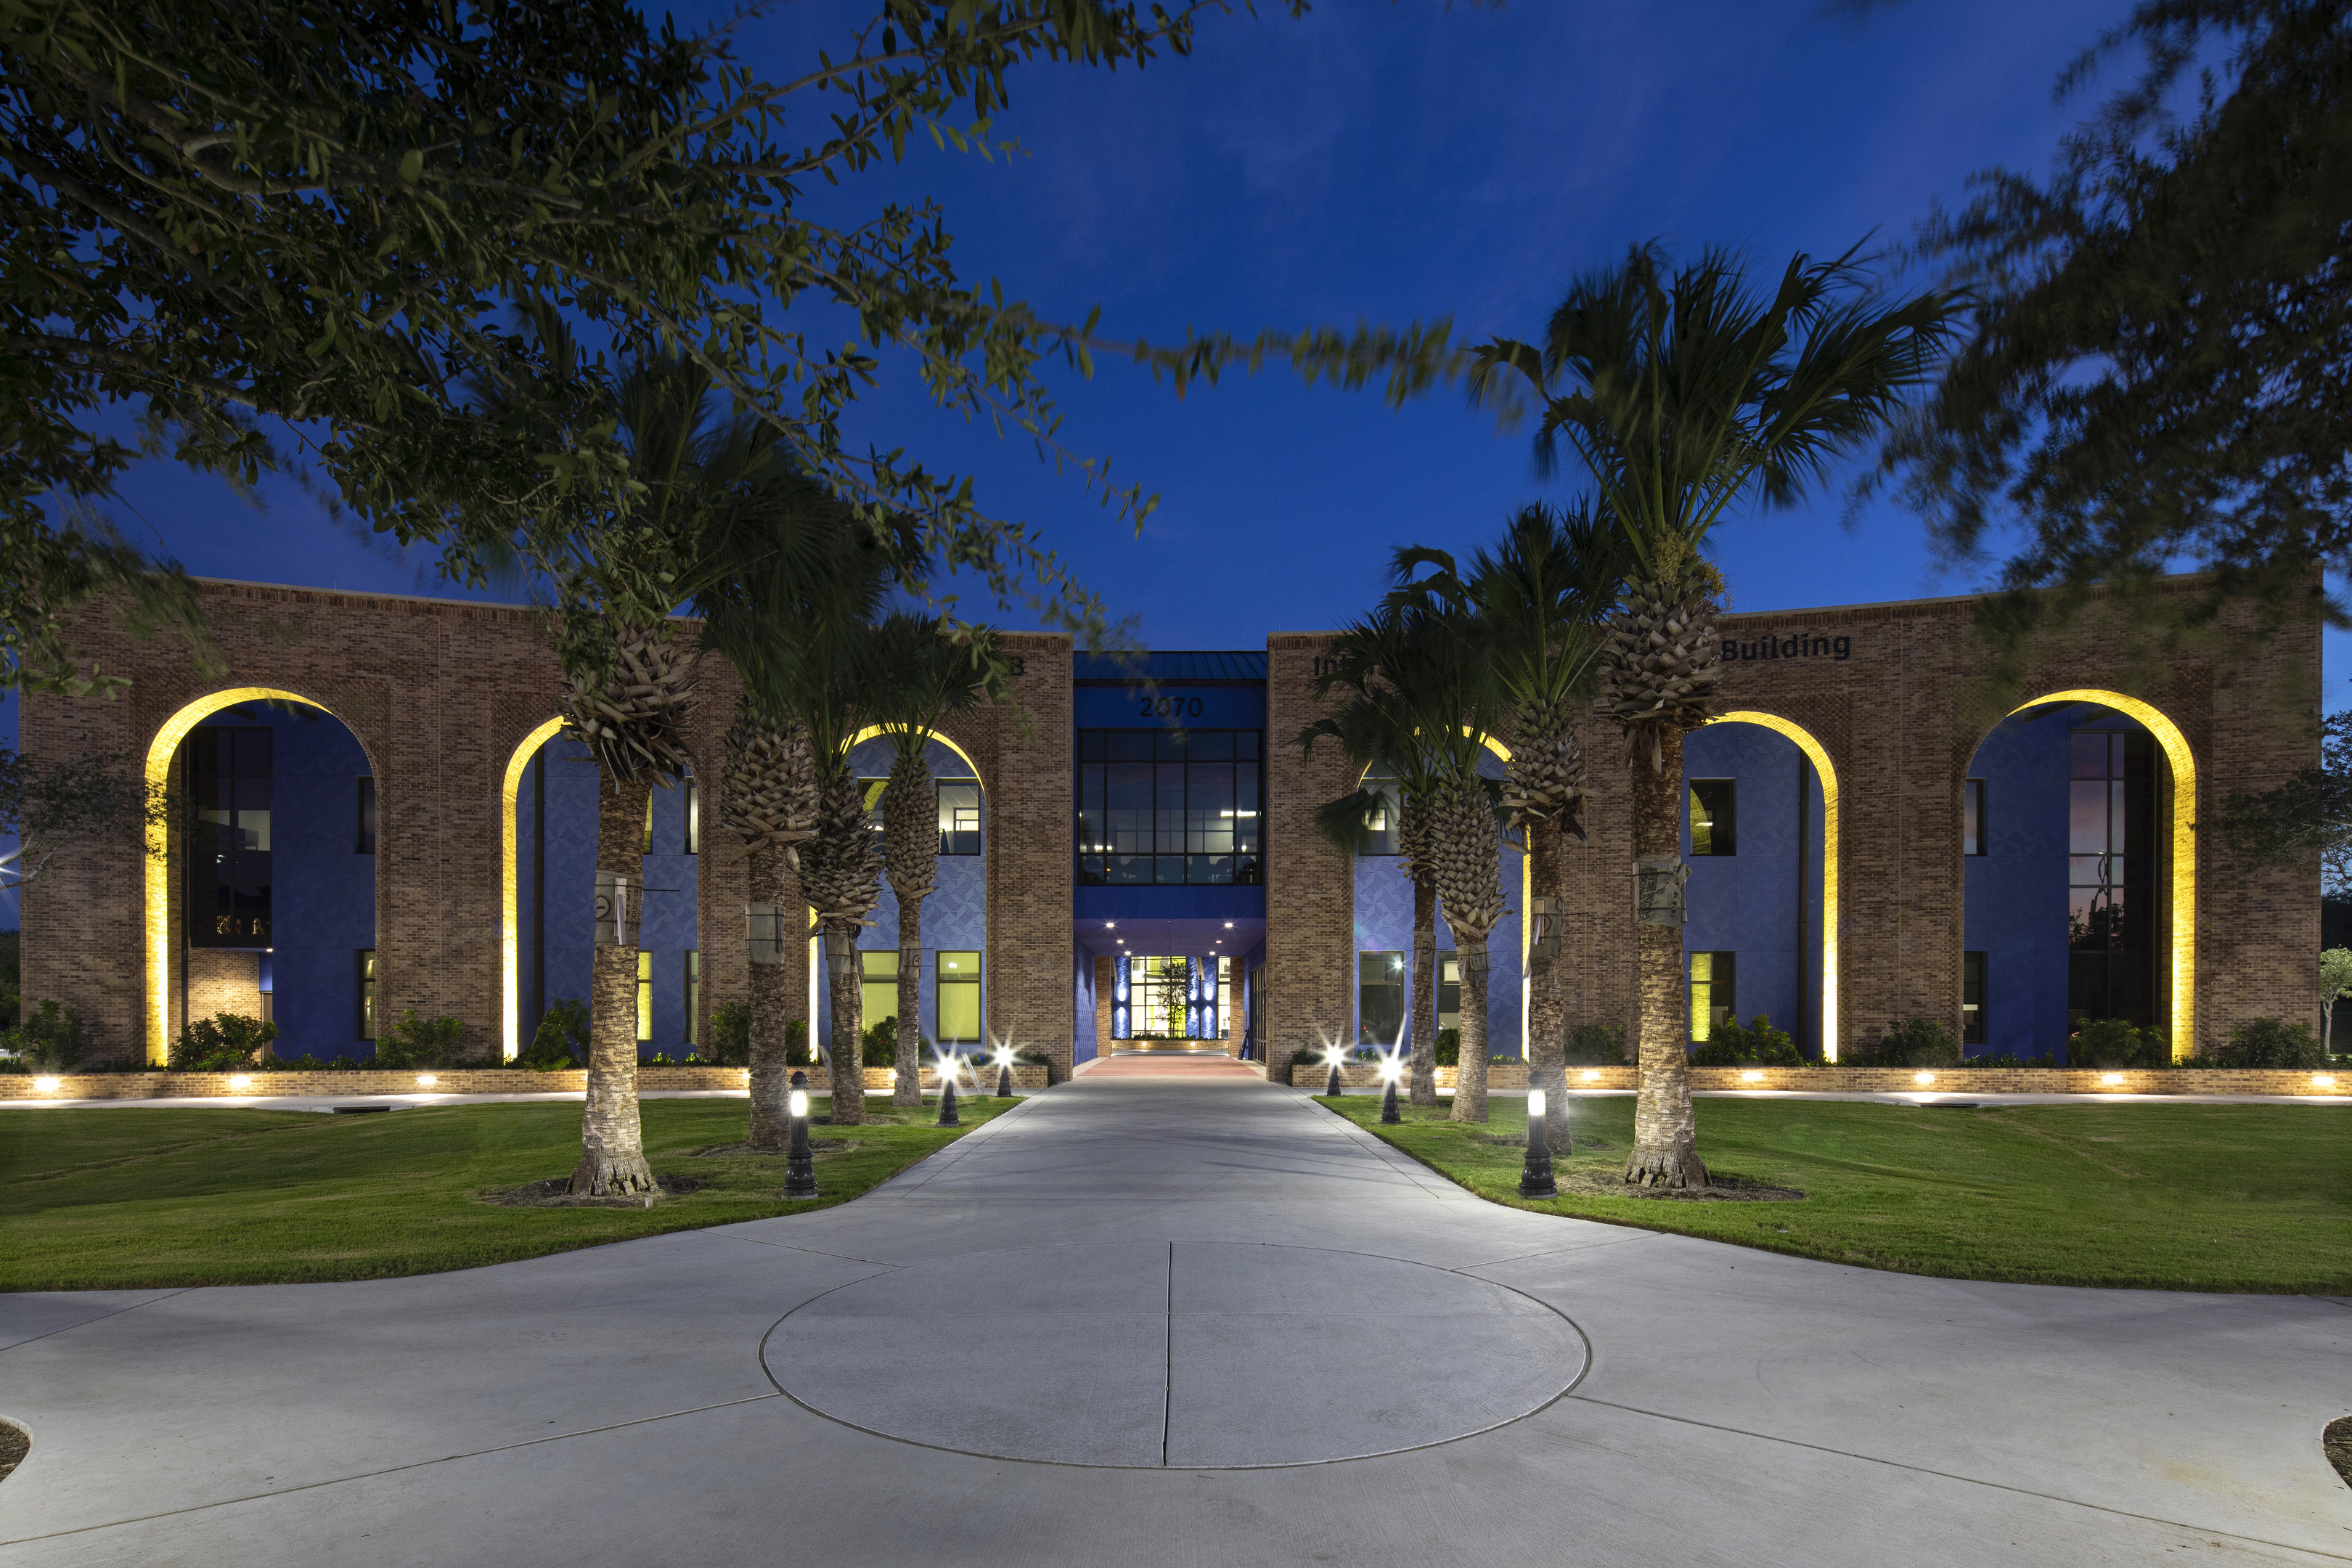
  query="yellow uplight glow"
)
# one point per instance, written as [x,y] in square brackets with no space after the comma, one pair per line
[2111,1079]
[1818,756]
[1923,1078]
[2323,1081]
[158,899]
[1751,1078]
[2184,850]
[510,916]
[427,1079]
[45,1085]
[240,1081]
[1592,1074]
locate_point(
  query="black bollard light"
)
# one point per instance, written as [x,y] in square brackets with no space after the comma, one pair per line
[948,1117]
[800,1165]
[1389,1073]
[1332,1085]
[1004,1074]
[1535,1174]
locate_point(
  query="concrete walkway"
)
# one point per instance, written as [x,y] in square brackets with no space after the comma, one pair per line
[1068,1338]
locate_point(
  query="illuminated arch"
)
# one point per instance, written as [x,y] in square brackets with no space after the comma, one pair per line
[1818,756]
[158,888]
[2184,845]
[510,913]
[873,731]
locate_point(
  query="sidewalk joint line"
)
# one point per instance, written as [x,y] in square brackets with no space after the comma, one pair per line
[1168,1368]
[1965,1480]
[86,1322]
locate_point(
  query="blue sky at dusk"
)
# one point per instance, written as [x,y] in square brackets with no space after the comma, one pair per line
[1387,163]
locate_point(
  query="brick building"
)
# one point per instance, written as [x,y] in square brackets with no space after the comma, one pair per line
[388,818]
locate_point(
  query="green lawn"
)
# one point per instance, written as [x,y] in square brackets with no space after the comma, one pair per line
[97,1199]
[2189,1197]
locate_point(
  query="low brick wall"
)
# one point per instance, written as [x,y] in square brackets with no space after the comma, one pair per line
[1310,1075]
[448,1080]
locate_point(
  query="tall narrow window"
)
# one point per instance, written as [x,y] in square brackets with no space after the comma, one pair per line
[1449,991]
[1972,998]
[228,872]
[366,966]
[693,995]
[693,818]
[1972,817]
[2110,840]
[1714,997]
[959,816]
[958,1002]
[644,996]
[1714,816]
[1257,1004]
[1380,997]
[878,984]
[367,816]
[1380,816]
[1225,1019]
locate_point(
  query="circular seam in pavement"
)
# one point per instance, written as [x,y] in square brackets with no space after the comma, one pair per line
[1189,1356]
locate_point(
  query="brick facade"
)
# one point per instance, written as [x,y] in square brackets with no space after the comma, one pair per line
[1311,886]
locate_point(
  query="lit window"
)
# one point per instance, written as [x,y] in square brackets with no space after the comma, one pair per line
[644,996]
[1713,979]
[367,816]
[366,965]
[1972,998]
[693,818]
[959,999]
[693,994]
[1714,816]
[1449,991]
[1381,820]
[1972,818]
[959,816]
[878,988]
[1380,997]
[1169,807]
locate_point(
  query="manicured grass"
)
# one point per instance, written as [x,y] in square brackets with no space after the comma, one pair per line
[2189,1197]
[115,1199]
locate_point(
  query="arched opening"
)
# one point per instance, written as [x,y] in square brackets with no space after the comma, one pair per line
[547,861]
[2079,876]
[1791,932]
[268,909]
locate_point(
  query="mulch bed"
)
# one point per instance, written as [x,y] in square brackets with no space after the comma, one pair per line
[16,1443]
[819,1149]
[555,1192]
[2337,1441]
[1725,1189]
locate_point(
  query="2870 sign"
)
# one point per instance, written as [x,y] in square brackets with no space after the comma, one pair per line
[1168,707]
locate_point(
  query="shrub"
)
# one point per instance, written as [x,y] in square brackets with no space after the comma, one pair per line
[1913,1043]
[2115,1043]
[223,1041]
[421,1042]
[1729,1045]
[48,1040]
[561,1040]
[730,1035]
[2268,1043]
[1596,1045]
[1449,1047]
[882,1044]
[798,1052]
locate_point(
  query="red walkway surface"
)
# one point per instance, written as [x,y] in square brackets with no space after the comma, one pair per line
[1169,1063]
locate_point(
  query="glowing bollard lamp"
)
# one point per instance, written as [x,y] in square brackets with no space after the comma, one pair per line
[800,1167]
[948,1117]
[1004,1072]
[1331,1084]
[1535,1175]
[1392,1069]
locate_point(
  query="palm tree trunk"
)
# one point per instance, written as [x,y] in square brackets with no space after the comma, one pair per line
[847,994]
[1664,1152]
[771,882]
[1547,1000]
[908,1088]
[612,1140]
[1426,979]
[1470,1076]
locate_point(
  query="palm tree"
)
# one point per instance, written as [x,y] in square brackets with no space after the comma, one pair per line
[1541,594]
[922,673]
[1681,396]
[768,794]
[1422,697]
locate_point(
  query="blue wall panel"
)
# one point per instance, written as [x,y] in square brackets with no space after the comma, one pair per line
[1747,902]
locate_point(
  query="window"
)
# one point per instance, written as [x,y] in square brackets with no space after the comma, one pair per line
[1381,821]
[959,998]
[877,985]
[1257,1004]
[366,845]
[229,870]
[693,990]
[1380,997]
[2110,831]
[1225,997]
[644,996]
[1169,808]
[1972,817]
[1713,984]
[366,965]
[1449,991]
[1972,997]
[693,825]
[1714,816]
[959,816]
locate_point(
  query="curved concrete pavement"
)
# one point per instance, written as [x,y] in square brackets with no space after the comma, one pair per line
[622,1404]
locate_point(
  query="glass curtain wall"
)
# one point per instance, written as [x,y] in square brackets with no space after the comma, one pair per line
[1167,807]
